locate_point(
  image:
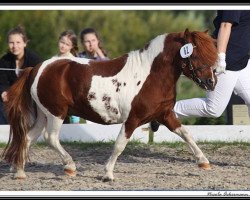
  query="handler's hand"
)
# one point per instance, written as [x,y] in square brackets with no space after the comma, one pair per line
[4,96]
[220,66]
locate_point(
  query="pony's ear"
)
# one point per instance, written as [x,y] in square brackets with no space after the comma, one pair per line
[206,31]
[186,34]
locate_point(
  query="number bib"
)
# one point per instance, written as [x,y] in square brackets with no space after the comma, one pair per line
[186,50]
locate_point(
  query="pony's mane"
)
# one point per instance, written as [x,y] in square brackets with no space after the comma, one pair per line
[151,49]
[204,44]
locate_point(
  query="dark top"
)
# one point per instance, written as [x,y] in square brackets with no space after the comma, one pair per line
[85,55]
[7,77]
[239,42]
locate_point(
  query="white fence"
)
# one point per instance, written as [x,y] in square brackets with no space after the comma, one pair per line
[97,132]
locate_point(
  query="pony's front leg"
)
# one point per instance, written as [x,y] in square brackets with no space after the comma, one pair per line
[201,159]
[174,125]
[120,145]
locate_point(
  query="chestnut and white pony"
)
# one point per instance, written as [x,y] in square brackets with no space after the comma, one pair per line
[133,89]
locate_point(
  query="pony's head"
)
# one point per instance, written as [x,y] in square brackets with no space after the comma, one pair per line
[198,56]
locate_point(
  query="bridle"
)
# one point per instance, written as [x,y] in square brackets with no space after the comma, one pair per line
[193,75]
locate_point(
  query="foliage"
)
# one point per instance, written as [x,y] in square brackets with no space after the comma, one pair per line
[121,30]
[210,121]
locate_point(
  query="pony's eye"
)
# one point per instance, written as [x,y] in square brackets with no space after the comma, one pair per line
[199,73]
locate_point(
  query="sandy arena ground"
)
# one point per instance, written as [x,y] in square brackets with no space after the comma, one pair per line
[139,167]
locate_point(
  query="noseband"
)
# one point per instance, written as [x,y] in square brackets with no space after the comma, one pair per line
[193,75]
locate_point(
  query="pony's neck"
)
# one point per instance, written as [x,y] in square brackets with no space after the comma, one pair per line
[155,47]
[145,57]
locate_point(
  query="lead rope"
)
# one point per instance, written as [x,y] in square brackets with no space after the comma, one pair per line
[9,69]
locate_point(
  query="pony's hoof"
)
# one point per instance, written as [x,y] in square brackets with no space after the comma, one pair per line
[70,172]
[107,179]
[205,166]
[19,176]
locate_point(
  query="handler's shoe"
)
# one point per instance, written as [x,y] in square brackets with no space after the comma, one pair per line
[154,125]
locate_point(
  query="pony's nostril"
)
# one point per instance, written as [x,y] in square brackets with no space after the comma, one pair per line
[210,81]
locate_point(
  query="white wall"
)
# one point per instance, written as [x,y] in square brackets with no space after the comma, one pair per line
[96,132]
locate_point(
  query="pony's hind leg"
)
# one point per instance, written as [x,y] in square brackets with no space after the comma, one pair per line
[120,145]
[32,136]
[52,136]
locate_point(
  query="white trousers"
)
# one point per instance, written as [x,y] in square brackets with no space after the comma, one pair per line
[216,101]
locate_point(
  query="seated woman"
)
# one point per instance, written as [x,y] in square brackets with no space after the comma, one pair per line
[93,49]
[67,47]
[15,60]
[92,45]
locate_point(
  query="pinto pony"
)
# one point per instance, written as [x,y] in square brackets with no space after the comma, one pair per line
[133,89]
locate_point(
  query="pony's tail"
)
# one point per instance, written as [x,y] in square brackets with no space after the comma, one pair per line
[18,110]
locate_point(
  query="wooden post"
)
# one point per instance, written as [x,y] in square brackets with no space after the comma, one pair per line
[150,136]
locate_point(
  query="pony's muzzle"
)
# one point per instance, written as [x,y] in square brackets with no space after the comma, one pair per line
[210,84]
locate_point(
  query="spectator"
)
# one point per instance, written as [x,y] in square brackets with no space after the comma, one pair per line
[92,45]
[14,61]
[93,49]
[67,46]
